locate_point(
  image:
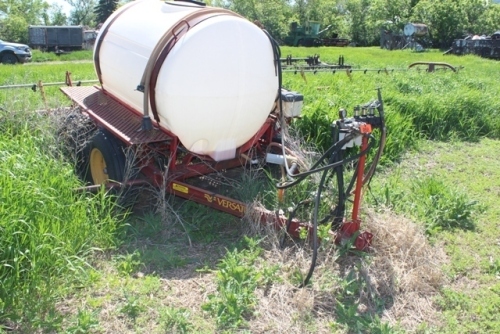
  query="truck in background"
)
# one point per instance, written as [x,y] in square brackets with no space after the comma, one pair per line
[12,53]
[61,38]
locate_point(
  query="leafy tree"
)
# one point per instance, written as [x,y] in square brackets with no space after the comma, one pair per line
[300,10]
[397,11]
[31,10]
[474,10]
[447,20]
[104,9]
[327,12]
[218,3]
[14,28]
[56,16]
[17,15]
[83,12]
[361,29]
[489,20]
[272,14]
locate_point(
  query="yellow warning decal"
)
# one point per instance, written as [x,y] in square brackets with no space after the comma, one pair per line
[180,188]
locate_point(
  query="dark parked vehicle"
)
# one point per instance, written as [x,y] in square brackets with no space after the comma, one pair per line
[57,38]
[12,53]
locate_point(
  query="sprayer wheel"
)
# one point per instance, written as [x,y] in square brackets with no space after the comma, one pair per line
[106,160]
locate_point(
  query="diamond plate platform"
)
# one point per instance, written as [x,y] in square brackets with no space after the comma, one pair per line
[116,117]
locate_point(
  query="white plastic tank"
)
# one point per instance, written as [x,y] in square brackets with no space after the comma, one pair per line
[216,86]
[415,29]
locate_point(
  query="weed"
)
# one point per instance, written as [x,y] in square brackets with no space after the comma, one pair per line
[149,285]
[132,308]
[453,300]
[86,322]
[348,304]
[127,264]
[174,320]
[236,281]
[494,267]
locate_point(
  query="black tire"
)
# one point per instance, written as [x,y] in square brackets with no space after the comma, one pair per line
[106,160]
[74,133]
[9,58]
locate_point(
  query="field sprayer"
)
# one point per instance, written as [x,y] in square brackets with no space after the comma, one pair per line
[194,90]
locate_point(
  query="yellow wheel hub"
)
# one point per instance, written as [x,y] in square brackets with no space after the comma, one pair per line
[98,167]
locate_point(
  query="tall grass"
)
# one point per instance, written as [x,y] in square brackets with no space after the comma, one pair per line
[440,106]
[47,230]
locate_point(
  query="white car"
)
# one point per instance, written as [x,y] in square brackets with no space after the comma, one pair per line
[12,53]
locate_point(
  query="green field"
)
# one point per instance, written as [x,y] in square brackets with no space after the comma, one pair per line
[173,266]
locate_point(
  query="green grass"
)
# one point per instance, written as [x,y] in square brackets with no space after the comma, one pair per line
[40,57]
[48,231]
[25,99]
[448,184]
[440,105]
[439,186]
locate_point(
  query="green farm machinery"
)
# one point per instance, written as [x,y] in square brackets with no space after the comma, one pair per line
[311,35]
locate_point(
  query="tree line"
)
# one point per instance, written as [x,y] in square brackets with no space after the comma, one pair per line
[358,20]
[361,20]
[17,15]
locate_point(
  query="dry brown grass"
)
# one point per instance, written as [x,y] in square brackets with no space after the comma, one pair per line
[406,268]
[401,272]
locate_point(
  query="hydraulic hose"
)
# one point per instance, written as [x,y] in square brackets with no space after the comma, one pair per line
[316,209]
[301,176]
[335,163]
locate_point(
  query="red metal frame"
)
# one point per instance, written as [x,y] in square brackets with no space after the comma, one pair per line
[349,228]
[183,165]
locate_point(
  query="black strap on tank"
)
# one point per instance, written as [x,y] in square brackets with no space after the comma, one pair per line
[191,1]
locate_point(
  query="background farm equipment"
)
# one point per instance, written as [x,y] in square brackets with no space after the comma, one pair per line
[412,37]
[311,35]
[310,63]
[483,46]
[314,64]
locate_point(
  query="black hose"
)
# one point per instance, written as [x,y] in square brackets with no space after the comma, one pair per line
[302,176]
[335,162]
[316,210]
[188,1]
[315,229]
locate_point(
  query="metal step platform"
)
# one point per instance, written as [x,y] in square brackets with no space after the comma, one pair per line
[122,121]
